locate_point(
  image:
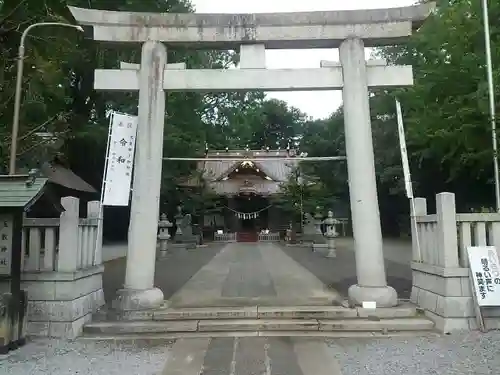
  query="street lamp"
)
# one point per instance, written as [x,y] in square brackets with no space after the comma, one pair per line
[491,90]
[17,100]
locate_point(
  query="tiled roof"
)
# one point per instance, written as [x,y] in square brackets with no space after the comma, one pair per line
[278,170]
[20,190]
[60,175]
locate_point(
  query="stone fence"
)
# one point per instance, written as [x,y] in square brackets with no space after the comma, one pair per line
[62,271]
[225,237]
[269,237]
[441,284]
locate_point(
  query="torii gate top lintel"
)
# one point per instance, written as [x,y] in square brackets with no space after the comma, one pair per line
[275,30]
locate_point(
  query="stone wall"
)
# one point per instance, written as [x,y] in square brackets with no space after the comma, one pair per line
[441,283]
[60,303]
[62,271]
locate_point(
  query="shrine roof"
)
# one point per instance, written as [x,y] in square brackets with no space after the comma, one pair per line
[270,162]
[60,175]
[20,191]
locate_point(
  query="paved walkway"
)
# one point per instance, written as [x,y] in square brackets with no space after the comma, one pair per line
[251,356]
[261,274]
[253,274]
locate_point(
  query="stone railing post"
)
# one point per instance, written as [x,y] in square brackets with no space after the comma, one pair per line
[447,230]
[67,260]
[417,208]
[93,208]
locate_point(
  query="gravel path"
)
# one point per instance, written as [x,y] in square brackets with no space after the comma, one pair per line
[55,357]
[459,354]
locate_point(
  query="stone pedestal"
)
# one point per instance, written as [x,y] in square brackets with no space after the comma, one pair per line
[60,303]
[163,236]
[139,291]
[370,268]
[330,235]
[332,250]
[319,242]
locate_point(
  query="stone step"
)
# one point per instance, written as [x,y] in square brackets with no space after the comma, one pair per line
[258,325]
[283,312]
[162,337]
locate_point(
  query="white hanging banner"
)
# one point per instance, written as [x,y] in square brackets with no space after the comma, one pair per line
[404,152]
[120,160]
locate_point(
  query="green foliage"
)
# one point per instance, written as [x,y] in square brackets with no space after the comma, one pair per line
[445,112]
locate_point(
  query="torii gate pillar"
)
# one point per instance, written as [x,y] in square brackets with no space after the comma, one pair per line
[368,245]
[139,291]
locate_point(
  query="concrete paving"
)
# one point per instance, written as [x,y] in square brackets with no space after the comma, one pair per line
[340,273]
[261,274]
[253,274]
[251,356]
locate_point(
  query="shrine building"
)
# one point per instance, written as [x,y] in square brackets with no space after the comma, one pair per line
[246,188]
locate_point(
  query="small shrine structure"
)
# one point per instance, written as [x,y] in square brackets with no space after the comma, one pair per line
[246,188]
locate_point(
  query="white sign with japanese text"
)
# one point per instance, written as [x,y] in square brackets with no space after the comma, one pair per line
[485,273]
[121,148]
[6,232]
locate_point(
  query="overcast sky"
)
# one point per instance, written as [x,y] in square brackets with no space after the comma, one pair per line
[319,104]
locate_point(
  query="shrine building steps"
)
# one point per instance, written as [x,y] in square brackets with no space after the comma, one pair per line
[319,321]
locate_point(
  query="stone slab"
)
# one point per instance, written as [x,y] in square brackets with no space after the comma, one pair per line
[60,289]
[402,324]
[65,311]
[65,330]
[305,312]
[141,327]
[217,80]
[455,307]
[131,315]
[152,337]
[69,330]
[206,313]
[62,276]
[405,311]
[257,325]
[325,29]
[445,286]
[449,325]
[440,271]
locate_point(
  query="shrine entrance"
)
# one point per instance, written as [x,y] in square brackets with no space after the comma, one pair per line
[252,34]
[252,215]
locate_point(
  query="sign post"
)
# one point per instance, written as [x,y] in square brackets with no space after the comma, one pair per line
[485,275]
[118,166]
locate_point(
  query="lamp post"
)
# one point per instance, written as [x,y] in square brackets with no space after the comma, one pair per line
[17,100]
[491,90]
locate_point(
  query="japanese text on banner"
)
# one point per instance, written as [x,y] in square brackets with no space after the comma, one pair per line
[485,270]
[118,177]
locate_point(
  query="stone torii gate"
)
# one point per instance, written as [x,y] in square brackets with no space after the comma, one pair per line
[350,31]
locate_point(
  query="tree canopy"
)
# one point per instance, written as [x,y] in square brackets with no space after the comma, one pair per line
[445,112]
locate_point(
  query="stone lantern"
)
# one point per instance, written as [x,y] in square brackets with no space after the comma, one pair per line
[318,220]
[331,234]
[318,238]
[163,236]
[178,219]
